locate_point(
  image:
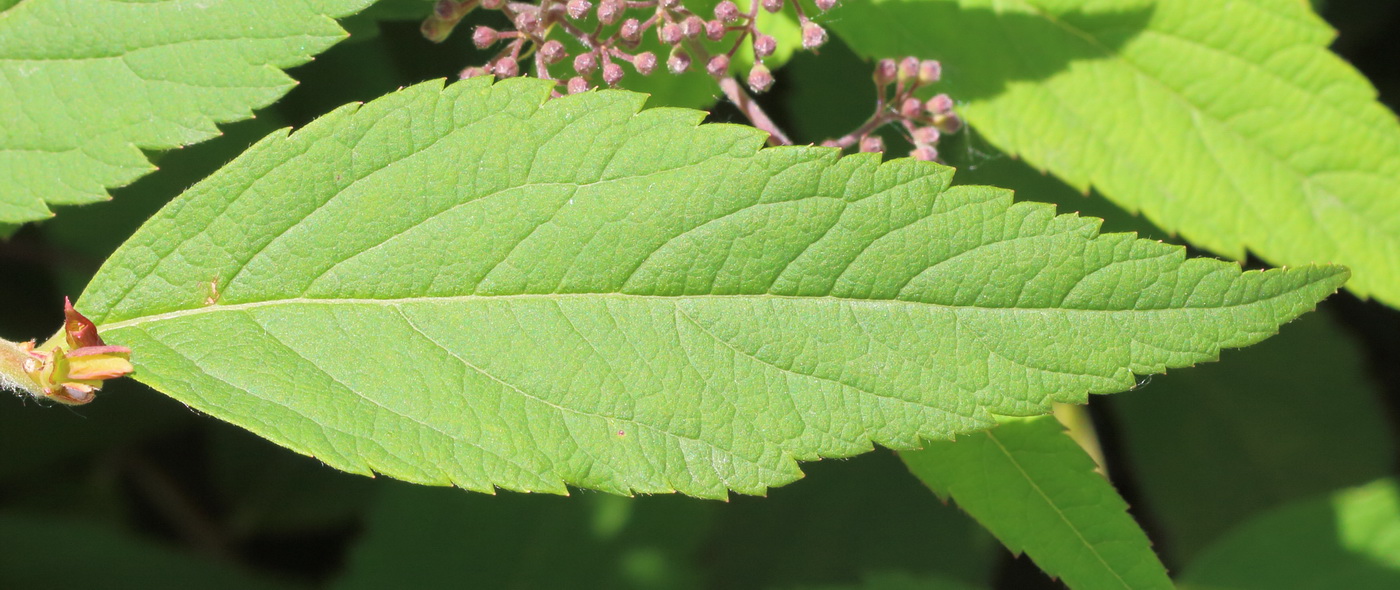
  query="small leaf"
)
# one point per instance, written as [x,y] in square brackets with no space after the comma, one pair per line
[1036,490]
[1263,142]
[481,287]
[91,83]
[1349,539]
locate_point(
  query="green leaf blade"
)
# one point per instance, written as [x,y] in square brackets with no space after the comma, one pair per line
[1347,539]
[479,286]
[1264,143]
[90,83]
[1036,490]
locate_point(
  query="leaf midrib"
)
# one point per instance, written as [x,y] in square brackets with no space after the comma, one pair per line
[1059,512]
[393,302]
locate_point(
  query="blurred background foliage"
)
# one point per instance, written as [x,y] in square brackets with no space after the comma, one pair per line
[1245,473]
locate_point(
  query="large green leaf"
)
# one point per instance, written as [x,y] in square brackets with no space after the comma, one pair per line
[1263,141]
[1350,539]
[1036,490]
[88,84]
[481,287]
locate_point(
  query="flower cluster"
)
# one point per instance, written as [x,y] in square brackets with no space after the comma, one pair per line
[70,367]
[923,122]
[611,34]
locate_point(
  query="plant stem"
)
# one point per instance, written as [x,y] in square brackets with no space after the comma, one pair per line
[735,93]
[12,373]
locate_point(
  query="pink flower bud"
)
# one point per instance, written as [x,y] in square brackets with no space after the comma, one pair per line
[718,66]
[825,5]
[447,10]
[505,68]
[911,108]
[631,30]
[727,11]
[941,104]
[553,51]
[813,36]
[930,71]
[645,63]
[528,21]
[872,143]
[612,73]
[715,30]
[830,143]
[577,84]
[772,5]
[669,33]
[926,136]
[472,72]
[924,153]
[435,29]
[493,4]
[679,62]
[578,9]
[764,45]
[760,79]
[585,63]
[949,123]
[885,72]
[908,68]
[484,37]
[692,26]
[610,10]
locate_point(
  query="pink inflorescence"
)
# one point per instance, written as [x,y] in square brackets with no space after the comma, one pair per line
[609,33]
[585,43]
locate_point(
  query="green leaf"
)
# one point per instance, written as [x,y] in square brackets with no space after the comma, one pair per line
[1293,417]
[1350,540]
[91,83]
[1036,490]
[61,553]
[483,287]
[1265,142]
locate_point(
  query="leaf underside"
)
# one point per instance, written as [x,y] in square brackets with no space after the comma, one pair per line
[478,286]
[1036,490]
[88,84]
[1264,142]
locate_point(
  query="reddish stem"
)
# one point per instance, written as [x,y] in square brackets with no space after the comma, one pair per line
[745,103]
